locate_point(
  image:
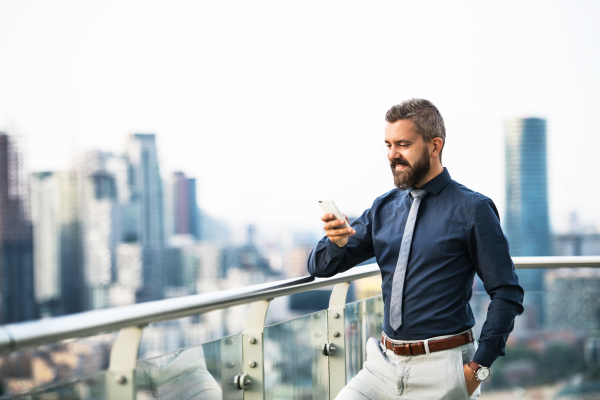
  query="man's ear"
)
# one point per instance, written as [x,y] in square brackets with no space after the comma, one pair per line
[437,143]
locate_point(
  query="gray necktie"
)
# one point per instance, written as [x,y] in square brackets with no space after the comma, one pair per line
[400,273]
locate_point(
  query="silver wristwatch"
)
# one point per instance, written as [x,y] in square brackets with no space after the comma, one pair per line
[481,373]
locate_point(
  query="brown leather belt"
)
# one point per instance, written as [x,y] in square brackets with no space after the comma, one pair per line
[413,349]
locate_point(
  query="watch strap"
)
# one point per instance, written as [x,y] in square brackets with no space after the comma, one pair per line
[476,368]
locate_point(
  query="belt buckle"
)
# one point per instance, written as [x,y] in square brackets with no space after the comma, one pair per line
[403,345]
[408,348]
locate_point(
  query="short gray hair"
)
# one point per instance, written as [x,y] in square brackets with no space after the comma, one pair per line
[426,117]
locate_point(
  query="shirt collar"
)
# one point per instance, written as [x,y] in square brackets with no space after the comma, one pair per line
[435,185]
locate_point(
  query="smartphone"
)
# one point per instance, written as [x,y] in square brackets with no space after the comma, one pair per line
[329,207]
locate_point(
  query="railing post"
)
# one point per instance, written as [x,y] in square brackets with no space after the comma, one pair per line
[252,380]
[336,337]
[120,379]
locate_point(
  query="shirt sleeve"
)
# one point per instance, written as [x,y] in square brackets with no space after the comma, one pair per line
[489,252]
[328,259]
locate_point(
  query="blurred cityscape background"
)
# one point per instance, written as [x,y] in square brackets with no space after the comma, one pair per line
[247,123]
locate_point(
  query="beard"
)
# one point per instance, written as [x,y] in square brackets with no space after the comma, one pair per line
[413,174]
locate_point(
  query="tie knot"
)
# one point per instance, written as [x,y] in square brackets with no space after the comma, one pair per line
[418,193]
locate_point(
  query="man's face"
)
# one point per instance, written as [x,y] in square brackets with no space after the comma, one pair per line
[408,154]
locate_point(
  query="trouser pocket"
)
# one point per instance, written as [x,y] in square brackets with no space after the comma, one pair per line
[374,350]
[466,355]
[462,355]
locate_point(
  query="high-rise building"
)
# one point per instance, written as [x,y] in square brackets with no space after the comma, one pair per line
[527,220]
[147,210]
[101,226]
[147,191]
[58,261]
[17,301]
[181,208]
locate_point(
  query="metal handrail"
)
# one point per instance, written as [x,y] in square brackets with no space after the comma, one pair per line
[26,334]
[556,262]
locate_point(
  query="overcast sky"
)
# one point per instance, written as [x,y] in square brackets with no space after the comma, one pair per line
[274,105]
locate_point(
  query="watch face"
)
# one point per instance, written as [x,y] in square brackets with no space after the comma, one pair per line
[483,373]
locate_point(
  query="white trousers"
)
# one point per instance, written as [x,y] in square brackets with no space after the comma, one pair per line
[435,376]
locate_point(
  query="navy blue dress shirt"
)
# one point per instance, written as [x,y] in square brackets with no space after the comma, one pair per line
[457,234]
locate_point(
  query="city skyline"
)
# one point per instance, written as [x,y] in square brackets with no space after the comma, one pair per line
[131,233]
[267,232]
[112,231]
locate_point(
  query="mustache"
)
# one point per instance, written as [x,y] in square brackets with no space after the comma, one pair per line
[399,161]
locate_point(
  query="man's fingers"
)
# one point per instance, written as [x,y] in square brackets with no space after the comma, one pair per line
[333,224]
[327,217]
[335,229]
[339,233]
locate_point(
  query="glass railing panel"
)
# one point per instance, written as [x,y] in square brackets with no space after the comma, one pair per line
[364,319]
[224,362]
[92,387]
[169,336]
[205,371]
[295,367]
[554,349]
[64,362]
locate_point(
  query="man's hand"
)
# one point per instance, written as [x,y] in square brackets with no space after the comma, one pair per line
[334,229]
[472,382]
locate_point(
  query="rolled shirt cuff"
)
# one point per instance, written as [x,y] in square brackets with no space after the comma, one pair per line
[484,357]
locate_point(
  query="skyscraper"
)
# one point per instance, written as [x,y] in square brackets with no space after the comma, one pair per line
[58,261]
[101,226]
[181,208]
[147,209]
[101,235]
[17,301]
[527,220]
[147,191]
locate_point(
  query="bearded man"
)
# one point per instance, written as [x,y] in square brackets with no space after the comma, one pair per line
[430,236]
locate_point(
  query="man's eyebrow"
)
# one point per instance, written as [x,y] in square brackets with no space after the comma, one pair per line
[400,141]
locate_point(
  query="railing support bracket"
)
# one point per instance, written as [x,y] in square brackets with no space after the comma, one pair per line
[336,317]
[252,380]
[123,360]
